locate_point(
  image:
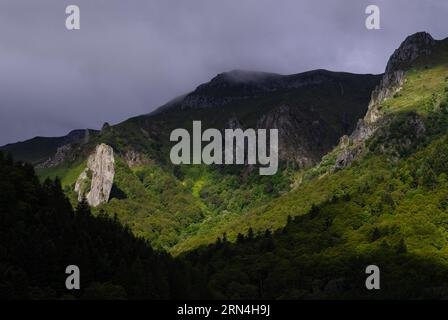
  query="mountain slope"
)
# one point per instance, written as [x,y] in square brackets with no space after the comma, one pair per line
[167,204]
[311,110]
[378,196]
[385,204]
[39,149]
[409,117]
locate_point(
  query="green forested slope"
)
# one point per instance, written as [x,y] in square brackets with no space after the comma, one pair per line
[303,233]
[168,204]
[412,119]
[389,208]
[40,235]
[387,213]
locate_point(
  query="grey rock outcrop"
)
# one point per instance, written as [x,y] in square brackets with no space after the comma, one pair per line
[390,84]
[67,148]
[62,153]
[95,182]
[294,145]
[134,158]
[419,44]
[415,46]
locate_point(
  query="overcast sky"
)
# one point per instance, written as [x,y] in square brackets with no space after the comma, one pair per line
[132,56]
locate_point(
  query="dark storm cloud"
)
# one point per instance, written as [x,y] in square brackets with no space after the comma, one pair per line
[131,56]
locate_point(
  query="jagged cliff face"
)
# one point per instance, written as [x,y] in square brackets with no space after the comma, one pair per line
[96,181]
[62,154]
[301,140]
[415,46]
[390,84]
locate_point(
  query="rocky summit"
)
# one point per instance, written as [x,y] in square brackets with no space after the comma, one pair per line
[416,46]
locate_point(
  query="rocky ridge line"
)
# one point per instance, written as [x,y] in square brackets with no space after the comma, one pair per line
[416,45]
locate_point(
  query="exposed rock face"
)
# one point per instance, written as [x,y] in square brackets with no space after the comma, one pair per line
[348,155]
[419,44]
[390,84]
[135,159]
[97,179]
[83,184]
[62,153]
[299,139]
[68,148]
[295,144]
[416,45]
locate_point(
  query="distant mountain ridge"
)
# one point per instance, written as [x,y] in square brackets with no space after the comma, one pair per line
[40,149]
[311,109]
[166,204]
[241,84]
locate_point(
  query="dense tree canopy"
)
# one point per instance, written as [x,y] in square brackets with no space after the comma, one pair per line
[40,235]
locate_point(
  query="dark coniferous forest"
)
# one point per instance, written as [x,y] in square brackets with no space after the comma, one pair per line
[41,234]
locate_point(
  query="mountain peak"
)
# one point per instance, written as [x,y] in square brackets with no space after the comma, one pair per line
[238,76]
[413,46]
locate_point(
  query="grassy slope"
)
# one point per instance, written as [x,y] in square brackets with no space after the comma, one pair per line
[67,174]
